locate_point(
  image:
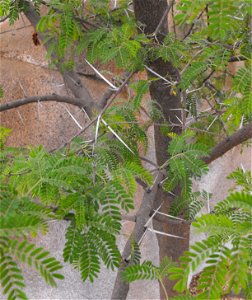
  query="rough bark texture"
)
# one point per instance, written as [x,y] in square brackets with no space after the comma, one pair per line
[149,13]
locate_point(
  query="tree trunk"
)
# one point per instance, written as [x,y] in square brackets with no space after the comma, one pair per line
[149,13]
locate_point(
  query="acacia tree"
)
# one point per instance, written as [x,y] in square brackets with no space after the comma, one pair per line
[184,71]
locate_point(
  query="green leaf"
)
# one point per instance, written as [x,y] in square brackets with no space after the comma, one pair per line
[145,271]
[141,87]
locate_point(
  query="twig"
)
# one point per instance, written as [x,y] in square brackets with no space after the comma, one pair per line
[4,19]
[166,234]
[163,18]
[237,58]
[159,76]
[118,91]
[173,21]
[11,30]
[72,117]
[148,161]
[208,77]
[192,26]
[110,92]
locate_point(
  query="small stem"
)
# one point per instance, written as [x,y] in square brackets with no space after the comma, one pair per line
[163,287]
[33,187]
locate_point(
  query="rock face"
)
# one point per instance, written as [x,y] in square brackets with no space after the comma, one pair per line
[25,72]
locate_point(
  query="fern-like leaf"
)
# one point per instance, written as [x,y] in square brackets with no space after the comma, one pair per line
[135,253]
[11,277]
[38,258]
[145,271]
[13,225]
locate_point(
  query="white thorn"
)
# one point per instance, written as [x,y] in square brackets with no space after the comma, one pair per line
[104,78]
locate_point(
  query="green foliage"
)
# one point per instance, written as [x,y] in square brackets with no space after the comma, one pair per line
[220,22]
[183,164]
[91,185]
[12,9]
[4,133]
[242,178]
[84,250]
[15,226]
[171,50]
[141,87]
[147,271]
[123,119]
[191,73]
[243,85]
[63,29]
[225,18]
[227,267]
[21,218]
[191,205]
[135,256]
[12,280]
[13,250]
[90,189]
[1,92]
[38,258]
[184,297]
[121,44]
[240,107]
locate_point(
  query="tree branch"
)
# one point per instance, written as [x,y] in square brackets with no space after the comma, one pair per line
[192,26]
[230,142]
[163,18]
[14,104]
[71,79]
[237,58]
[4,19]
[121,287]
[208,77]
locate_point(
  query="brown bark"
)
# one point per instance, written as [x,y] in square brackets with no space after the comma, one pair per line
[46,98]
[149,13]
[237,138]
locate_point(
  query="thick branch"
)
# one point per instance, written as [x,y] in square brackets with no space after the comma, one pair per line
[71,79]
[14,104]
[230,142]
[121,287]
